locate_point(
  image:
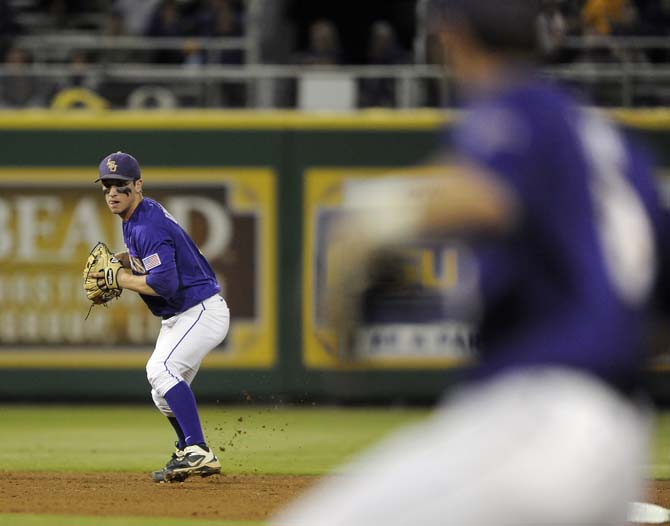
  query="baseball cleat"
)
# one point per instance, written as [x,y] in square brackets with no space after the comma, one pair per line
[194,460]
[159,475]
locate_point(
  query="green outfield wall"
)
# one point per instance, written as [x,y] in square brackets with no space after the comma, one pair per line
[256,191]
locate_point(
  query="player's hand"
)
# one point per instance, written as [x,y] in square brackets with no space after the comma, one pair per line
[100,275]
[100,279]
[124,258]
[120,278]
[352,253]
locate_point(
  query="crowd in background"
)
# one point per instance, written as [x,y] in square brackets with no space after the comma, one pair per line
[603,18]
[311,40]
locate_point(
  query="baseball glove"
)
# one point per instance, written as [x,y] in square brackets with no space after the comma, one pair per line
[101,290]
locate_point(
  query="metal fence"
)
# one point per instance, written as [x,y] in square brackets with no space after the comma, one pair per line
[277,86]
[122,71]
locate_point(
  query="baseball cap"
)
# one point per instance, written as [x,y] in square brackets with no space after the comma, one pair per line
[119,165]
[499,26]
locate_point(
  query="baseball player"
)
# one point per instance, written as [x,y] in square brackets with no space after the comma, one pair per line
[564,222]
[165,267]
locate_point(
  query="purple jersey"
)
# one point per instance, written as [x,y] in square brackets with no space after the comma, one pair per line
[571,285]
[175,268]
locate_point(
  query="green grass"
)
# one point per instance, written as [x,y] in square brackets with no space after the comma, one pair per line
[247,439]
[660,453]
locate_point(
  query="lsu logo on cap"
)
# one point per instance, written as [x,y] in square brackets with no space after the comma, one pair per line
[111,165]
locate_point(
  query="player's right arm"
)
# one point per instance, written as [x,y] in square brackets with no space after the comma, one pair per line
[453,199]
[391,212]
[470,199]
[127,280]
[130,281]
[156,251]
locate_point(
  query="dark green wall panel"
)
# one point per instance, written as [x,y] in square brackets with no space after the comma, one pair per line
[290,152]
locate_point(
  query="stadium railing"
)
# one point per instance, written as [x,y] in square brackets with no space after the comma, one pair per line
[264,85]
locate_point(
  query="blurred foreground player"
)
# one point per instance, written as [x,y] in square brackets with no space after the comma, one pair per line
[566,229]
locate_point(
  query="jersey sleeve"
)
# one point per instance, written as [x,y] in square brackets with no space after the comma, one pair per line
[501,142]
[497,140]
[157,251]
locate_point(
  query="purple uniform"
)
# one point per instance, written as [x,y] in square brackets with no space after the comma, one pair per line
[571,285]
[175,268]
[176,282]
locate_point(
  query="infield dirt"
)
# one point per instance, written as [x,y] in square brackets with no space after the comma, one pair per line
[225,497]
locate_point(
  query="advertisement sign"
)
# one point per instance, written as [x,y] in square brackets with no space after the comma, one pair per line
[51,217]
[408,330]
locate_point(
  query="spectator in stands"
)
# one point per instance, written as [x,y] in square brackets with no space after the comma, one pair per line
[166,21]
[622,19]
[193,53]
[221,18]
[599,16]
[434,90]
[383,49]
[630,24]
[606,18]
[136,14]
[114,26]
[324,45]
[18,89]
[81,75]
[551,31]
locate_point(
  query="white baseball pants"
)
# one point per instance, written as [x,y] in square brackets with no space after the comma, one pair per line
[547,447]
[183,342]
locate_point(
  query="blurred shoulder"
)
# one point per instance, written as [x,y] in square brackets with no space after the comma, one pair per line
[517,118]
